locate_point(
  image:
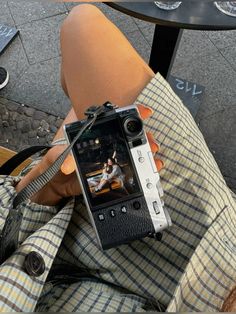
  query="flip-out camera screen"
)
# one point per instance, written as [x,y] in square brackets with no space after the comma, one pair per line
[104,163]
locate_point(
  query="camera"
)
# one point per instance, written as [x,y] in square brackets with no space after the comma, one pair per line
[118,176]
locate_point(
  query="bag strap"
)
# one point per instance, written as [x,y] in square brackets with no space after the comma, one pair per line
[16,160]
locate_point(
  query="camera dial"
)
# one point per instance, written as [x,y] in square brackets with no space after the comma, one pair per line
[133,126]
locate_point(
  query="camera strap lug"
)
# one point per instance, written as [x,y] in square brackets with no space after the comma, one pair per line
[96,111]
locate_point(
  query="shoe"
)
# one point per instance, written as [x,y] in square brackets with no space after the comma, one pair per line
[4,77]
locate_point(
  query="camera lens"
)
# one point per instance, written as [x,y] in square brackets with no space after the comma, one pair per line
[133,126]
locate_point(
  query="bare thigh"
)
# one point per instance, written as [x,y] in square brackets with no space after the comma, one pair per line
[98,62]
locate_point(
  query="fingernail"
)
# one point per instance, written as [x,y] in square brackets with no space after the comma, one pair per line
[151,111]
[68,165]
[157,146]
[160,164]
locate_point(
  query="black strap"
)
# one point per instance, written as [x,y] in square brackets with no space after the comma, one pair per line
[17,159]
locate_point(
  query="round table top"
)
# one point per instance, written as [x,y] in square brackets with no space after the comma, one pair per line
[201,15]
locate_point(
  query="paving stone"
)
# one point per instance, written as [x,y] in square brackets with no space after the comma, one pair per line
[5,14]
[51,119]
[140,44]
[19,131]
[71,5]
[213,72]
[42,141]
[124,22]
[49,138]
[231,183]
[32,134]
[26,11]
[26,126]
[5,124]
[230,55]
[3,110]
[20,109]
[14,116]
[41,132]
[35,124]
[53,128]
[142,24]
[33,141]
[223,39]
[195,44]
[40,88]
[219,131]
[19,124]
[220,128]
[11,122]
[15,61]
[44,125]
[29,111]
[58,123]
[3,101]
[5,116]
[41,38]
[225,158]
[39,115]
[12,106]
[148,33]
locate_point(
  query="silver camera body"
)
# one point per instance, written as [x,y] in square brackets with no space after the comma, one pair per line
[118,176]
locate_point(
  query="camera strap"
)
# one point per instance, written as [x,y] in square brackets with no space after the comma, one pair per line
[10,232]
[37,184]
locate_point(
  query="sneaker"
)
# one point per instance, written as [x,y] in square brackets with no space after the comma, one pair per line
[4,77]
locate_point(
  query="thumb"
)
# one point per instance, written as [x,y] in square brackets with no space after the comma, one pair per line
[68,165]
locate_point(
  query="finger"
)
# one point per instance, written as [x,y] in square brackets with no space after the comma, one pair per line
[152,142]
[159,164]
[144,111]
[68,165]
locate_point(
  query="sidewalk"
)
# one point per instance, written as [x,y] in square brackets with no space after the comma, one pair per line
[33,104]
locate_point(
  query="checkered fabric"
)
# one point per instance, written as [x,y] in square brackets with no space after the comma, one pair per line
[193,268]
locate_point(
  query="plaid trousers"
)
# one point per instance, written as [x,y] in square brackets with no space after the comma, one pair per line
[193,268]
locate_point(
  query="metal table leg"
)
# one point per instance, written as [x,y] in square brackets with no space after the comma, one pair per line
[164,46]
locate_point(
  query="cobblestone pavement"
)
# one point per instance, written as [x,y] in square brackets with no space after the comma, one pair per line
[22,126]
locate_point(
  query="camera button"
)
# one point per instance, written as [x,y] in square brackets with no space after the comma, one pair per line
[156,208]
[149,186]
[141,159]
[101,217]
[112,213]
[124,209]
[136,205]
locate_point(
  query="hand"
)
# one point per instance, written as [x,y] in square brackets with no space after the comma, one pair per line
[69,166]
[65,183]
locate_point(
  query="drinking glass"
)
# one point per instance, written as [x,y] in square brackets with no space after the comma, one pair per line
[227,7]
[168,5]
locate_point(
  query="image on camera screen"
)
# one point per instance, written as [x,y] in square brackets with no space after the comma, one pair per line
[105,164]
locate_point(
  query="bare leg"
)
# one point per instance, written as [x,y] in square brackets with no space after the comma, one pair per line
[98,62]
